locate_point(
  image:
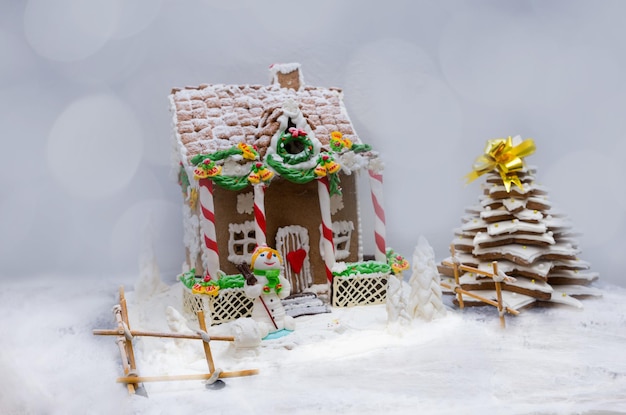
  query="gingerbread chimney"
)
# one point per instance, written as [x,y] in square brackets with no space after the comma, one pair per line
[287,75]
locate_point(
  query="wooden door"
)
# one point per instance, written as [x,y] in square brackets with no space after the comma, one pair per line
[293,244]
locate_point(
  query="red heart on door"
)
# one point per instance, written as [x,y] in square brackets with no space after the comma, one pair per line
[296,259]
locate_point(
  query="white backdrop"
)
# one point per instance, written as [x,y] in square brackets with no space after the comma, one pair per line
[85,172]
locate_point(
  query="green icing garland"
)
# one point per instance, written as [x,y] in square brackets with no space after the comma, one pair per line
[183,178]
[303,176]
[220,155]
[298,176]
[231,182]
[367,267]
[360,148]
[189,279]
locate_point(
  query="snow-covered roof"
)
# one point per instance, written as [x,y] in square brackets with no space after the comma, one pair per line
[208,118]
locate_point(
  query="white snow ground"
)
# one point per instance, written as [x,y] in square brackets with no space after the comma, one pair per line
[557,360]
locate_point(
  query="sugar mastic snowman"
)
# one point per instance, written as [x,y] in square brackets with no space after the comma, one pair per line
[267,286]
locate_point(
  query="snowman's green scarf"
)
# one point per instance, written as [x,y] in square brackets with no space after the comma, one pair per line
[272,279]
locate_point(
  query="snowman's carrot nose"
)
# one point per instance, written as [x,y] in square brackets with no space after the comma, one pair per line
[269,255]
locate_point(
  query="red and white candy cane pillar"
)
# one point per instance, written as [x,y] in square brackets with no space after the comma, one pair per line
[327,245]
[259,214]
[376,187]
[211,259]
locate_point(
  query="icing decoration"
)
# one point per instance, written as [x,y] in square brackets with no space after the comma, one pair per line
[290,238]
[260,173]
[273,282]
[193,198]
[207,168]
[277,334]
[206,289]
[376,187]
[329,163]
[183,178]
[505,157]
[268,286]
[304,176]
[327,246]
[366,267]
[259,214]
[296,259]
[336,203]
[242,149]
[245,203]
[397,262]
[265,251]
[342,233]
[200,285]
[338,143]
[241,241]
[232,182]
[210,256]
[247,151]
[291,141]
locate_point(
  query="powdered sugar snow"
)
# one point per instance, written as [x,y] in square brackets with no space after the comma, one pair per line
[556,360]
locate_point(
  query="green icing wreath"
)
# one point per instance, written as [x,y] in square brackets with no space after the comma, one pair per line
[294,146]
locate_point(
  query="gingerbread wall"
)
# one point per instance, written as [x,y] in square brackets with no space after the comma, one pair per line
[287,203]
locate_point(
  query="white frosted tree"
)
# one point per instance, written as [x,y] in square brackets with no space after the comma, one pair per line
[425,299]
[397,315]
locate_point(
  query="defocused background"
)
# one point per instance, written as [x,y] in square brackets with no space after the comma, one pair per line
[86,179]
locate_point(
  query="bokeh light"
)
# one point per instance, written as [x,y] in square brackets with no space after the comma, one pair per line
[69,30]
[95,146]
[135,15]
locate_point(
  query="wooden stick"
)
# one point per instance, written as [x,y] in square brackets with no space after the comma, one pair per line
[121,340]
[478,297]
[207,347]
[468,269]
[269,313]
[128,344]
[165,378]
[139,333]
[455,267]
[121,343]
[494,264]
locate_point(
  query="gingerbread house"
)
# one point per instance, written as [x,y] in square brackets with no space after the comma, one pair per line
[272,164]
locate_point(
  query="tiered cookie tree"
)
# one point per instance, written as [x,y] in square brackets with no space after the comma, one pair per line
[515,224]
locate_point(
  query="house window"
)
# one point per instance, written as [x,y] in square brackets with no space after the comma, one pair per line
[241,242]
[342,233]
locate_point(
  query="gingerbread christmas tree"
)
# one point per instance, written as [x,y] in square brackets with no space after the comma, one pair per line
[515,224]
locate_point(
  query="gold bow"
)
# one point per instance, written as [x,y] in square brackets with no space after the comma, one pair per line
[500,154]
